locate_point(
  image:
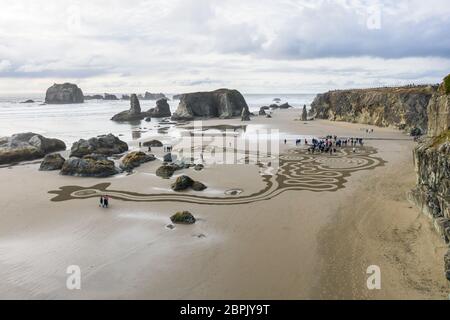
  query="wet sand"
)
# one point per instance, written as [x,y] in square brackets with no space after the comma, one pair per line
[297,245]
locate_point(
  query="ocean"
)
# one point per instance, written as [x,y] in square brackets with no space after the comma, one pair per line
[72,122]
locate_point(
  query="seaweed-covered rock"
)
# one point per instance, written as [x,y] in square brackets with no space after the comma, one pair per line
[104,144]
[27,146]
[166,171]
[182,183]
[135,159]
[89,166]
[183,217]
[52,162]
[63,94]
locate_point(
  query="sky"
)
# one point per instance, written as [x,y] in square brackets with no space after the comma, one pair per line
[255,46]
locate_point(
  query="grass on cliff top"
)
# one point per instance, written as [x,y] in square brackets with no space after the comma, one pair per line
[442,138]
[447,84]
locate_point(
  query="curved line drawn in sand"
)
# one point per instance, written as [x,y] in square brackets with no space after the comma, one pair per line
[298,170]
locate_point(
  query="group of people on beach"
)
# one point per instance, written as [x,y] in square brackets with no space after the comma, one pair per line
[104,201]
[330,143]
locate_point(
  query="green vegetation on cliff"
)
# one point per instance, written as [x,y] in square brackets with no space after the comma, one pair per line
[446,84]
[442,138]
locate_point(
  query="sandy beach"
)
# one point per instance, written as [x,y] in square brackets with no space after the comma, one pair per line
[295,244]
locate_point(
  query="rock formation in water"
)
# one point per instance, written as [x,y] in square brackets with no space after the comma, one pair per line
[222,103]
[27,146]
[94,97]
[432,165]
[92,165]
[245,115]
[64,94]
[104,145]
[402,107]
[110,97]
[161,110]
[133,114]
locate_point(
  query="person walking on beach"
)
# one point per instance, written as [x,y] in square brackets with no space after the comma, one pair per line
[285,141]
[106,201]
[101,201]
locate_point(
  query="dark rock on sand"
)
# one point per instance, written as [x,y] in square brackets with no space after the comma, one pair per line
[133,114]
[135,159]
[222,103]
[52,162]
[153,143]
[92,165]
[183,217]
[166,171]
[198,186]
[105,144]
[167,157]
[304,114]
[63,94]
[161,110]
[262,111]
[27,146]
[182,183]
[199,167]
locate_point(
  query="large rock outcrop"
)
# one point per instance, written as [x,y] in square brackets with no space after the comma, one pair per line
[133,114]
[27,146]
[135,159]
[92,165]
[439,112]
[161,110]
[222,103]
[153,96]
[402,107]
[104,145]
[52,162]
[63,94]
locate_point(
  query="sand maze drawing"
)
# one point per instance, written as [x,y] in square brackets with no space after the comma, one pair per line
[298,170]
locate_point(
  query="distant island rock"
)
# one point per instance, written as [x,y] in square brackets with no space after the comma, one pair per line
[161,110]
[94,97]
[125,97]
[28,101]
[110,97]
[64,94]
[153,96]
[222,103]
[27,146]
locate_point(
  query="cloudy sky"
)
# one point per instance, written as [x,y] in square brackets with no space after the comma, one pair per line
[256,46]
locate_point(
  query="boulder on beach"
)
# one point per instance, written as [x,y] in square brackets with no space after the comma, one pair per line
[166,171]
[167,157]
[105,144]
[63,94]
[135,159]
[92,165]
[199,167]
[183,217]
[262,111]
[153,143]
[184,182]
[222,103]
[304,114]
[133,114]
[27,146]
[52,162]
[161,110]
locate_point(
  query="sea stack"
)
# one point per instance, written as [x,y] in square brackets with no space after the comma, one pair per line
[222,103]
[133,114]
[65,93]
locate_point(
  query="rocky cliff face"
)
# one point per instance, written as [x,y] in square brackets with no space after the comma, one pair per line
[63,94]
[432,165]
[222,103]
[402,107]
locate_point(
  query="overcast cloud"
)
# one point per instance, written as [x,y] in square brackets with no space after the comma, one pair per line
[252,45]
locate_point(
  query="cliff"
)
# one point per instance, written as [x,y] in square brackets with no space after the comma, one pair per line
[401,107]
[432,166]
